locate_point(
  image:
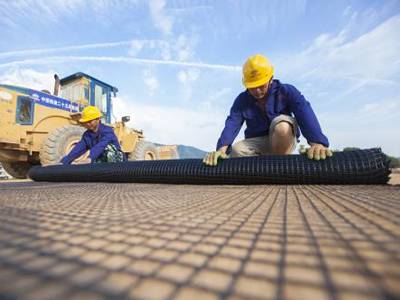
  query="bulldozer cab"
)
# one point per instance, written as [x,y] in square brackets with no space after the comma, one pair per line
[87,90]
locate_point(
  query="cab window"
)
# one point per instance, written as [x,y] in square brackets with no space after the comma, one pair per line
[100,100]
[75,92]
[24,115]
[86,92]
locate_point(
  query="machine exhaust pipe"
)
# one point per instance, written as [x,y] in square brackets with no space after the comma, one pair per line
[56,85]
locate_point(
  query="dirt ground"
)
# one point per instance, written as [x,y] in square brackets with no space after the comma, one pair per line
[160,241]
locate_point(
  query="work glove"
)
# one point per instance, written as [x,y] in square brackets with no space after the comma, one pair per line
[211,159]
[316,152]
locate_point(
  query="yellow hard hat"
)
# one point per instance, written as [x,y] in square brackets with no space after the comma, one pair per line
[257,71]
[90,113]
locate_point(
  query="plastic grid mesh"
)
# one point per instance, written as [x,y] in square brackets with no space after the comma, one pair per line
[353,167]
[174,242]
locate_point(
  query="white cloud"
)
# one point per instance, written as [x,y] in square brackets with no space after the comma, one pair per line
[160,47]
[372,124]
[372,57]
[135,47]
[117,59]
[178,48]
[151,82]
[29,78]
[380,112]
[67,48]
[160,19]
[187,78]
[376,138]
[173,125]
[39,10]
[221,93]
[165,50]
[185,48]
[215,99]
[52,12]
[347,11]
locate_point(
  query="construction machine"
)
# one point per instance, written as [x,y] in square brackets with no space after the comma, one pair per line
[39,128]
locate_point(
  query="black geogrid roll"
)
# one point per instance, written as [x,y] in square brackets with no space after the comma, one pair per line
[351,167]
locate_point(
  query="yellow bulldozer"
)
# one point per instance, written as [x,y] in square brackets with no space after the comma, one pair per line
[39,128]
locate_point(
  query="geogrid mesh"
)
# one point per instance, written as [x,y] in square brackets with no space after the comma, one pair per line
[353,167]
[176,242]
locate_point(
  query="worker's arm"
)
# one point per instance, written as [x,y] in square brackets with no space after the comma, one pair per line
[79,149]
[233,124]
[308,124]
[232,127]
[223,149]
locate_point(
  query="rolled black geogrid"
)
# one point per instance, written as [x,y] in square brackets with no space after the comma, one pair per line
[368,166]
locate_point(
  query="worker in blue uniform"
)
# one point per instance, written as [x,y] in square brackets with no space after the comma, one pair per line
[99,139]
[274,113]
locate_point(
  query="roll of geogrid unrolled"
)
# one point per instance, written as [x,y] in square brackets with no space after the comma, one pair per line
[368,166]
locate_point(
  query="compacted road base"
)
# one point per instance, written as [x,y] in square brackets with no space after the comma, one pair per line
[153,241]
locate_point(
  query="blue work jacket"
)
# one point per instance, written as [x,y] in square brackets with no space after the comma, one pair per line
[96,142]
[281,99]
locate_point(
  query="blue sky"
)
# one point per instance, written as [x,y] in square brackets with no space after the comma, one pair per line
[178,63]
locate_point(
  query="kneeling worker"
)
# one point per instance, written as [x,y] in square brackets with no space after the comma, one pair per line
[267,107]
[100,139]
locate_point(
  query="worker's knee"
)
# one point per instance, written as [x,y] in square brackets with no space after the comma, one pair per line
[250,147]
[239,149]
[283,129]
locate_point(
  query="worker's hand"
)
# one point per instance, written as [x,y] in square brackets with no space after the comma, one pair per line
[211,159]
[317,152]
